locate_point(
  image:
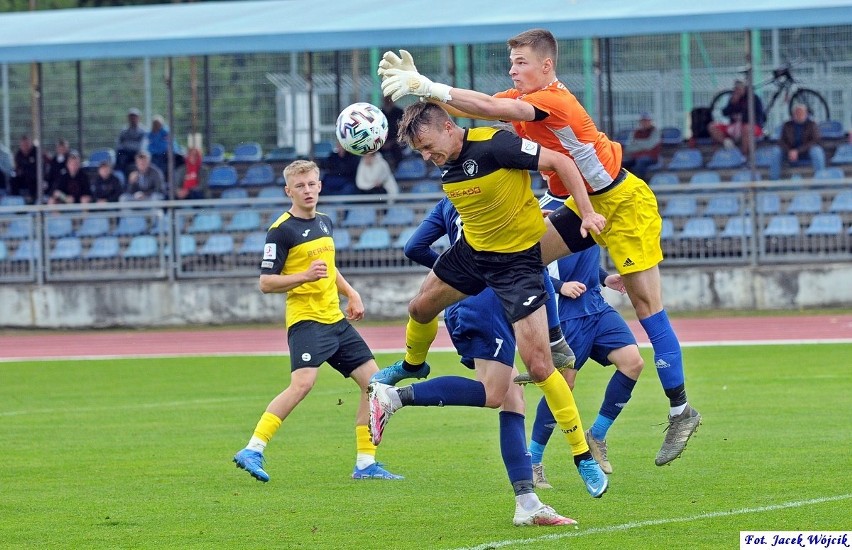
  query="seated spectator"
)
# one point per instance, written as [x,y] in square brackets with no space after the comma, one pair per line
[739,130]
[106,187]
[374,176]
[57,163]
[643,147]
[192,177]
[25,181]
[800,140]
[341,168]
[72,186]
[146,183]
[129,142]
[392,150]
[158,143]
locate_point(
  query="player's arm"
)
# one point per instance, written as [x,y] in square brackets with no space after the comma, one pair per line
[271,283]
[354,305]
[570,175]
[473,104]
[419,246]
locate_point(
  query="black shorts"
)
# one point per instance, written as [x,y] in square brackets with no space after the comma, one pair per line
[312,344]
[567,223]
[515,277]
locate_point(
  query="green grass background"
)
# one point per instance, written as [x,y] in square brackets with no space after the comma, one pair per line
[136,453]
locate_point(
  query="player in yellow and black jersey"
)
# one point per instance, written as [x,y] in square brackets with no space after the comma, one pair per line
[298,260]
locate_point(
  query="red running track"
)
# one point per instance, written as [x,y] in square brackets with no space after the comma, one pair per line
[93,343]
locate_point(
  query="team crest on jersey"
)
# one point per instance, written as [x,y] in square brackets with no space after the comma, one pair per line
[323,227]
[470,167]
[269,251]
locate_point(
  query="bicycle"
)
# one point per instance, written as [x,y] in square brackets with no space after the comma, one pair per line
[784,84]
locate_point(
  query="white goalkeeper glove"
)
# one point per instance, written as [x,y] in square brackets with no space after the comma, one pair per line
[398,84]
[390,60]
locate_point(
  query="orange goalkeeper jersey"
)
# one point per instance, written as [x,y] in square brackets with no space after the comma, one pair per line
[570,129]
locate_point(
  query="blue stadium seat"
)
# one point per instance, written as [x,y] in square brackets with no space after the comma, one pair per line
[12,200]
[26,251]
[244,220]
[259,174]
[19,228]
[216,154]
[67,248]
[833,173]
[342,239]
[782,226]
[705,177]
[104,247]
[205,222]
[93,227]
[218,244]
[825,224]
[806,202]
[669,135]
[142,246]
[281,154]
[249,151]
[426,186]
[186,246]
[680,206]
[331,213]
[667,231]
[843,154]
[686,159]
[323,149]
[360,216]
[763,156]
[253,243]
[222,176]
[664,178]
[403,237]
[726,158]
[96,156]
[271,193]
[831,129]
[723,205]
[745,176]
[59,226]
[398,215]
[4,252]
[768,203]
[412,168]
[738,226]
[234,193]
[699,228]
[842,202]
[374,238]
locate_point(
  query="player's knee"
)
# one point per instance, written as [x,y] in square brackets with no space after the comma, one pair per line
[420,311]
[633,366]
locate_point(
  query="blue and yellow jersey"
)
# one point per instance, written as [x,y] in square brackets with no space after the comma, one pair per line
[489,184]
[291,245]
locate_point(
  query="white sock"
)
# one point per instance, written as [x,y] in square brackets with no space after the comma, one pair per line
[362,460]
[256,444]
[674,411]
[528,501]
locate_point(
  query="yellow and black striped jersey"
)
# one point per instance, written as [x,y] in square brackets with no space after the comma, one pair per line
[489,184]
[291,245]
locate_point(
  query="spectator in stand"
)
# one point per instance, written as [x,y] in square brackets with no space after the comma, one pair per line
[158,143]
[392,149]
[129,142]
[800,140]
[146,183]
[643,147]
[739,129]
[56,167]
[106,187]
[341,168]
[72,186]
[374,176]
[25,182]
[192,177]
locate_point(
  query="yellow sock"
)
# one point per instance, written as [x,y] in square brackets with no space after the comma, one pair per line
[267,426]
[363,443]
[561,402]
[418,340]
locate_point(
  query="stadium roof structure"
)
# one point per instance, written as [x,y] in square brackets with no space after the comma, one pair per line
[209,28]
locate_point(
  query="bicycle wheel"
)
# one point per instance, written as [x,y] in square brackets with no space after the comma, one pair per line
[816,104]
[719,102]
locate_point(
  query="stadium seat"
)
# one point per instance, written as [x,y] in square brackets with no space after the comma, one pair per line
[59,226]
[244,220]
[738,226]
[667,231]
[699,228]
[410,169]
[96,156]
[26,251]
[723,205]
[281,154]
[825,224]
[93,226]
[222,176]
[686,159]
[186,246]
[67,248]
[745,176]
[12,200]
[216,154]
[766,155]
[782,226]
[205,222]
[806,202]
[726,158]
[398,215]
[142,246]
[843,154]
[259,174]
[104,247]
[669,135]
[271,193]
[833,173]
[19,228]
[403,237]
[360,216]
[323,149]
[768,203]
[234,193]
[374,238]
[680,206]
[426,186]
[218,244]
[842,202]
[705,177]
[4,252]
[342,239]
[249,151]
[831,129]
[332,213]
[664,178]
[253,243]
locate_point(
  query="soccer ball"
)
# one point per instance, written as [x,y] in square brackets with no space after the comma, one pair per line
[362,128]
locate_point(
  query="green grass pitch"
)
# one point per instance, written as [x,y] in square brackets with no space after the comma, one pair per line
[136,453]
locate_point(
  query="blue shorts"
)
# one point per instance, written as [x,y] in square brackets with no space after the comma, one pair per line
[596,336]
[479,329]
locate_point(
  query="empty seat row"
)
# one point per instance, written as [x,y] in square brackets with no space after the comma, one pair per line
[741,226]
[767,203]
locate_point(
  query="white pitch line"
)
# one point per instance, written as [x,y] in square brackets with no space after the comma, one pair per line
[653,522]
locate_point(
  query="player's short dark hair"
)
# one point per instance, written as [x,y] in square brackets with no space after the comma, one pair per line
[418,117]
[541,41]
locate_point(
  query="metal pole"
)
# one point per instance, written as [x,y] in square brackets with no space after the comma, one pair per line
[81,145]
[751,104]
[208,121]
[309,79]
[170,153]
